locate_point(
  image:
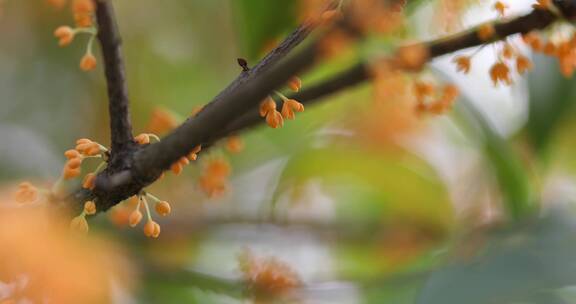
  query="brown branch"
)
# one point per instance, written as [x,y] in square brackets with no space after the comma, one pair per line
[110,42]
[235,108]
[357,74]
[120,180]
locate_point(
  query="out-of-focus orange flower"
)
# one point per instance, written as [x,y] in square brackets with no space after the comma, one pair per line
[70,268]
[412,57]
[213,180]
[523,64]
[463,64]
[500,73]
[267,279]
[161,121]
[486,32]
[234,144]
[501,8]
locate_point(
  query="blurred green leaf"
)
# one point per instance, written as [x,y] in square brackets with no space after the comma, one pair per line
[263,21]
[552,96]
[523,264]
[373,186]
[506,164]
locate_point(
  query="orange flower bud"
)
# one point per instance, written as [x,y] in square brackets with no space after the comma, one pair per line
[412,57]
[274,119]
[267,106]
[507,51]
[549,48]
[183,161]
[74,163]
[523,64]
[500,73]
[289,106]
[69,173]
[163,208]
[83,20]
[151,229]
[82,6]
[161,121]
[79,224]
[83,141]
[218,167]
[463,64]
[65,34]
[486,32]
[176,168]
[134,218]
[234,144]
[142,139]
[196,149]
[193,155]
[70,154]
[90,207]
[89,181]
[500,7]
[26,193]
[94,149]
[88,62]
[295,84]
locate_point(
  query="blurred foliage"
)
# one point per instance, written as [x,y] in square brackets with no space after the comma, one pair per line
[383,219]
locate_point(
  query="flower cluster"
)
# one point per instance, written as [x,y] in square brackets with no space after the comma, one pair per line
[267,279]
[564,49]
[213,180]
[84,149]
[151,227]
[275,119]
[26,193]
[430,99]
[83,11]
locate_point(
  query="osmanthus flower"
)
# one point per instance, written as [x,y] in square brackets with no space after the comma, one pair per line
[500,73]
[162,121]
[83,11]
[501,8]
[433,100]
[214,178]
[412,57]
[289,107]
[523,64]
[486,32]
[234,144]
[68,268]
[533,40]
[26,193]
[273,117]
[151,228]
[267,279]
[463,63]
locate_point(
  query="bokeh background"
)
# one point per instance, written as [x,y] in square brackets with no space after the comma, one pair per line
[366,202]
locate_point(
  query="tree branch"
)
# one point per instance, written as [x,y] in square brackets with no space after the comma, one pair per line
[236,107]
[110,42]
[357,74]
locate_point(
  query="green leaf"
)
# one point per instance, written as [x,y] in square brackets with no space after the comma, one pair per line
[552,97]
[505,163]
[523,264]
[262,21]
